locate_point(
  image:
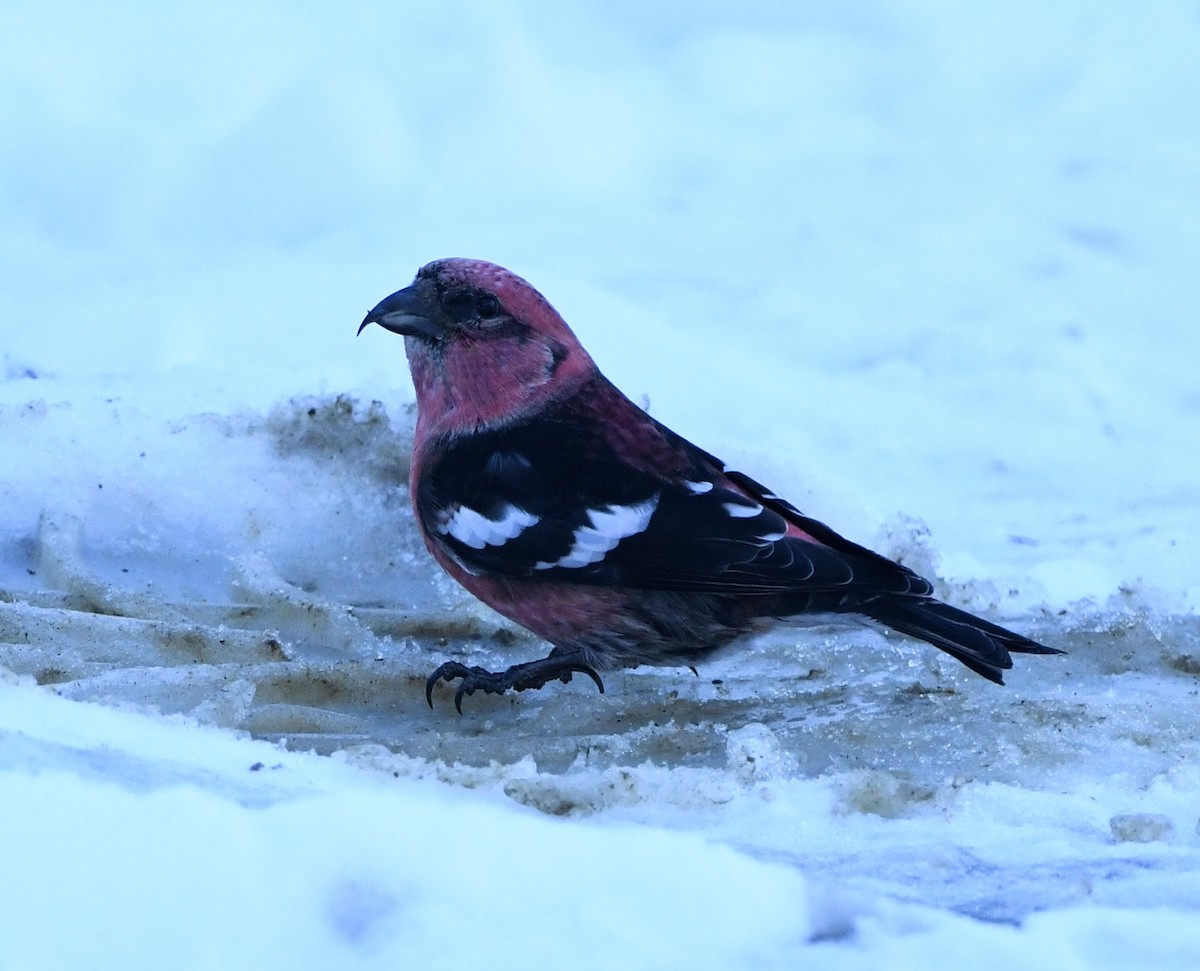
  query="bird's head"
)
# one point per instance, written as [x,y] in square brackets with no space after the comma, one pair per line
[484,346]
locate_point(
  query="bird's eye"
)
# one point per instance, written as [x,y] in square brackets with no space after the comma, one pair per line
[487,306]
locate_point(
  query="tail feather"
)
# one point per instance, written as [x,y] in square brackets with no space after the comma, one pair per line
[982,646]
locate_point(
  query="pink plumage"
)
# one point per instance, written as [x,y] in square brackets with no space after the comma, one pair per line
[557,501]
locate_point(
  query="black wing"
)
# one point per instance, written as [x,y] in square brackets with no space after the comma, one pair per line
[539,500]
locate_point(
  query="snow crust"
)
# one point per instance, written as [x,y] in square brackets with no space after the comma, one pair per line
[927,272]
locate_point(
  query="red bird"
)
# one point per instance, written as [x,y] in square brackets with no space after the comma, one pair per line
[558,502]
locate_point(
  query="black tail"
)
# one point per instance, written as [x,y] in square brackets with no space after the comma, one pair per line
[981,645]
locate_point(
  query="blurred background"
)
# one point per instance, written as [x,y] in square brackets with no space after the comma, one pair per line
[906,257]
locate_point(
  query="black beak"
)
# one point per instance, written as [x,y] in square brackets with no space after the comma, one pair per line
[407,312]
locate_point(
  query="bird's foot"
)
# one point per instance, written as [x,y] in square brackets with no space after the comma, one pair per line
[520,677]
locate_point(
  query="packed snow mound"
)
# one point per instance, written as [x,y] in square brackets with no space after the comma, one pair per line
[288,596]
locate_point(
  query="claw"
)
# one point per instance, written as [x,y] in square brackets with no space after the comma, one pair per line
[448,672]
[519,677]
[591,673]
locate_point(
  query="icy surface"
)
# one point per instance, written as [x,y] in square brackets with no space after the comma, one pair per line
[929,273]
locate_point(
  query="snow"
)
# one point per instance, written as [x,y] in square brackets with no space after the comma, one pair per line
[926,271]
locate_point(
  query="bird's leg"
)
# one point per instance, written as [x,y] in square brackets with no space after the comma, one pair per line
[557,666]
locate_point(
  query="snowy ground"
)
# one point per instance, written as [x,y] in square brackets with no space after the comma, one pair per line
[930,273]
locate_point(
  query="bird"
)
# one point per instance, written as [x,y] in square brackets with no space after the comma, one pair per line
[556,500]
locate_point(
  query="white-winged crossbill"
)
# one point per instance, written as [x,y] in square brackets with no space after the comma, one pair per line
[561,504]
